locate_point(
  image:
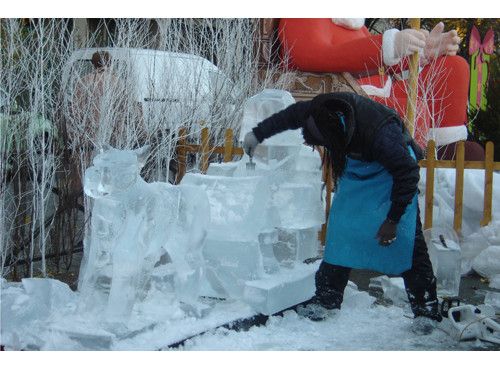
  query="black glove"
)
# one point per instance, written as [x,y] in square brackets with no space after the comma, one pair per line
[387,232]
[250,142]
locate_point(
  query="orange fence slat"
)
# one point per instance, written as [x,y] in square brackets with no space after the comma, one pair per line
[181,155]
[488,184]
[470,165]
[205,149]
[228,145]
[459,187]
[429,184]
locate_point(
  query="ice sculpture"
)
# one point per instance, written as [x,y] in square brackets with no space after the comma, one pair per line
[264,222]
[263,105]
[445,255]
[238,209]
[144,237]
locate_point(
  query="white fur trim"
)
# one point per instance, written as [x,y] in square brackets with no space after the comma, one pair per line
[382,92]
[349,23]
[388,47]
[447,135]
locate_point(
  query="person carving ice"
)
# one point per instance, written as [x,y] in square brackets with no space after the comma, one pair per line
[379,62]
[374,220]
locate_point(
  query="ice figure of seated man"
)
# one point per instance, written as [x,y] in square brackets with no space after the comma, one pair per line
[144,237]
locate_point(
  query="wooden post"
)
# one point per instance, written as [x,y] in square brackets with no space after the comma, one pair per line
[228,145]
[429,184]
[488,184]
[205,135]
[411,102]
[459,187]
[181,155]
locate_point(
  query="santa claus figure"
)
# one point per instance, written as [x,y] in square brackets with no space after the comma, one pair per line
[379,62]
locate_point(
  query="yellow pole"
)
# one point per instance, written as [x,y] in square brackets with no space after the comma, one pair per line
[205,150]
[488,184]
[429,184]
[181,155]
[459,187]
[228,145]
[411,102]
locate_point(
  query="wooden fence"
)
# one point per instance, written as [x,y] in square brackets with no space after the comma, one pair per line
[228,150]
[459,164]
[430,163]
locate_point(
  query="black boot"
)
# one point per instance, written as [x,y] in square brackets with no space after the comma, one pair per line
[420,282]
[315,310]
[424,304]
[331,281]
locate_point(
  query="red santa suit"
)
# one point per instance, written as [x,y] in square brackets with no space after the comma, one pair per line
[345,45]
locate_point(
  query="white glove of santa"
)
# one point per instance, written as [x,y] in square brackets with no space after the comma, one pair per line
[407,42]
[441,43]
[399,44]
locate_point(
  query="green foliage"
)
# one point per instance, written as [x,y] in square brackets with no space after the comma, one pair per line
[485,125]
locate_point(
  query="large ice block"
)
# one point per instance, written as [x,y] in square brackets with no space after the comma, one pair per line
[222,169]
[229,264]
[237,205]
[445,255]
[267,243]
[263,105]
[308,159]
[296,244]
[283,290]
[299,205]
[242,259]
[446,261]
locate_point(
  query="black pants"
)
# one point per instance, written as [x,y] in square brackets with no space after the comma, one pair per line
[420,282]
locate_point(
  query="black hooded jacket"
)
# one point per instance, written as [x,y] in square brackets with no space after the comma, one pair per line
[374,133]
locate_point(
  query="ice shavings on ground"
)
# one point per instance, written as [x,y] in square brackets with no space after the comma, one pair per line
[358,326]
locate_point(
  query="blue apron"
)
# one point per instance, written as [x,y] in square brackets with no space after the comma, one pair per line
[360,205]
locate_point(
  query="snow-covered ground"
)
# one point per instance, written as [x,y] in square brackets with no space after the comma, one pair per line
[360,325]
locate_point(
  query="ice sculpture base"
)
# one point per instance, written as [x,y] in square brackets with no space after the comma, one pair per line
[283,290]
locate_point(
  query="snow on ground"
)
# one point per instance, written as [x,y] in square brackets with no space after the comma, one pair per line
[360,325]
